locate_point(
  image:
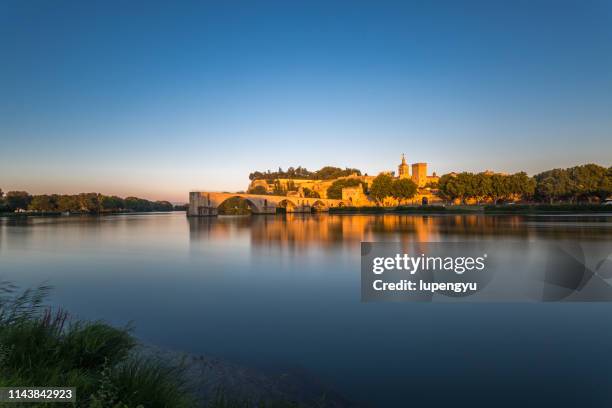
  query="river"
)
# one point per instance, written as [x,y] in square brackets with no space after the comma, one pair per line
[276,291]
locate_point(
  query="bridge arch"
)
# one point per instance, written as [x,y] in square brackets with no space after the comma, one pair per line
[253,205]
[288,204]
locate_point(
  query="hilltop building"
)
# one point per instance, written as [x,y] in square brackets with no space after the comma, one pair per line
[353,195]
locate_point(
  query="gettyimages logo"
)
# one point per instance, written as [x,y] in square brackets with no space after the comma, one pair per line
[413,264]
[486,271]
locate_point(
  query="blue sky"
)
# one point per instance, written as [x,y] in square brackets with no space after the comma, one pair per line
[159,98]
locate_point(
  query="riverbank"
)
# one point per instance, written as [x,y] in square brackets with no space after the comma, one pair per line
[476,209]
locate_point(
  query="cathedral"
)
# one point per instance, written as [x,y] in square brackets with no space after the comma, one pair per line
[419,173]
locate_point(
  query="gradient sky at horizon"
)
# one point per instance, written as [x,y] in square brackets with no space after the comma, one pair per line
[158,98]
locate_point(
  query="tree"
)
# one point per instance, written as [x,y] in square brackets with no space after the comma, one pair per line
[335,190]
[42,203]
[403,189]
[162,206]
[325,173]
[111,203]
[554,185]
[382,187]
[330,173]
[138,204]
[89,202]
[16,200]
[291,186]
[483,184]
[454,186]
[522,185]
[605,189]
[68,203]
[259,190]
[498,188]
[589,181]
[308,193]
[278,189]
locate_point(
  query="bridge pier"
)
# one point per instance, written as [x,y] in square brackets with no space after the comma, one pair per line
[205,211]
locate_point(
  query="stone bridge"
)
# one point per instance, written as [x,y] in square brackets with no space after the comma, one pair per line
[207,203]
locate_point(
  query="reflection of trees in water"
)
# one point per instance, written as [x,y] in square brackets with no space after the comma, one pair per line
[323,230]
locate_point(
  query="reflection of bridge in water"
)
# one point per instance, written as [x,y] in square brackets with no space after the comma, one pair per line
[207,203]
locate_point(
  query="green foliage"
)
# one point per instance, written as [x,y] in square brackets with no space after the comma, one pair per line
[403,189]
[335,190]
[111,203]
[17,200]
[42,203]
[258,190]
[483,186]
[325,173]
[142,382]
[278,189]
[142,205]
[26,305]
[330,173]
[68,203]
[308,193]
[382,186]
[85,202]
[579,183]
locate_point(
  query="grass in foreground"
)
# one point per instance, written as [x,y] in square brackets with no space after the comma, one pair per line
[38,348]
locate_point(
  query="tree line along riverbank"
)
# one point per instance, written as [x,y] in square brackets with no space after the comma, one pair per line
[21,202]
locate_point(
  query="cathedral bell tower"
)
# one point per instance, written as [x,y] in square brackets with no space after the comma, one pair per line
[403,171]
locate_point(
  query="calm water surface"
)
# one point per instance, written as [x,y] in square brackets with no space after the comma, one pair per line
[284,291]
